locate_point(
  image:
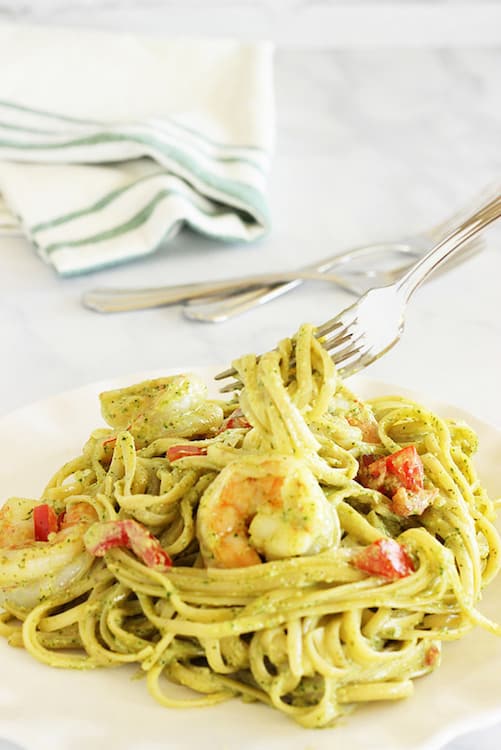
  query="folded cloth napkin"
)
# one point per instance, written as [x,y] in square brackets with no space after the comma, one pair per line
[109,143]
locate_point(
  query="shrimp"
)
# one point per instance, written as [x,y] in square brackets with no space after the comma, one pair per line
[272,508]
[31,569]
[176,405]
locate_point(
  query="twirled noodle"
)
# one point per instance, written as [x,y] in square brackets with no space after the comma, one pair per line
[267,517]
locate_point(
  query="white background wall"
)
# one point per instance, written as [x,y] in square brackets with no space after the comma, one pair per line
[291,22]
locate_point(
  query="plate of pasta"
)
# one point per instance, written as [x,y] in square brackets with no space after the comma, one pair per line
[304,564]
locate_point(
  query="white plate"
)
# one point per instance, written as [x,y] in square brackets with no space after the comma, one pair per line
[49,709]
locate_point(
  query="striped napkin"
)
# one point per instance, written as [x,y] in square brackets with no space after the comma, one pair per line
[110,143]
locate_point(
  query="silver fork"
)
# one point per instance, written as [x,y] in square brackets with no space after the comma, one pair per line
[365,331]
[120,300]
[410,249]
[215,309]
[268,286]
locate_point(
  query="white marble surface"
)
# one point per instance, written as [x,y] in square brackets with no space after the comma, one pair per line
[288,22]
[372,143]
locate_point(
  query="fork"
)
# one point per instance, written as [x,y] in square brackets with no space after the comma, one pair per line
[363,332]
[411,248]
[120,300]
[213,309]
[268,286]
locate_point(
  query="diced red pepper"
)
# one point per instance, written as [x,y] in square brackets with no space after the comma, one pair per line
[113,438]
[44,522]
[431,656]
[181,451]
[385,557]
[407,467]
[101,537]
[400,477]
[373,473]
[237,419]
[404,503]
[401,469]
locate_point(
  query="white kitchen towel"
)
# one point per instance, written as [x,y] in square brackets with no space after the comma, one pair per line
[110,143]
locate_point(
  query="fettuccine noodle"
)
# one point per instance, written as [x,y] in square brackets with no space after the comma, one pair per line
[322,548]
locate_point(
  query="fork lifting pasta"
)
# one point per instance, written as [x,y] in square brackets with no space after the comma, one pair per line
[293,546]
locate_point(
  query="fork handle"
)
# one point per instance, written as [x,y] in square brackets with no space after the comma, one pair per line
[120,300]
[447,247]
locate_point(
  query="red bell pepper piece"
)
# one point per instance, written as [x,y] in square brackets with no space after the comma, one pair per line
[405,503]
[431,656]
[401,469]
[44,522]
[237,419]
[400,477]
[128,533]
[407,467]
[181,451]
[385,557]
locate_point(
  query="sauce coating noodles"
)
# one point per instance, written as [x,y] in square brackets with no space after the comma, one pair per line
[322,548]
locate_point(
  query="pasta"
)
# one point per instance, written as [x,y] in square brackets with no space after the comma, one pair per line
[293,546]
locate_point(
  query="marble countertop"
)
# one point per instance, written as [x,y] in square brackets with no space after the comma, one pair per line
[371,143]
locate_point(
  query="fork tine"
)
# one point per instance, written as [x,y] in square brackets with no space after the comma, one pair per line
[341,355]
[353,338]
[331,334]
[233,385]
[323,333]
[333,343]
[329,327]
[229,373]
